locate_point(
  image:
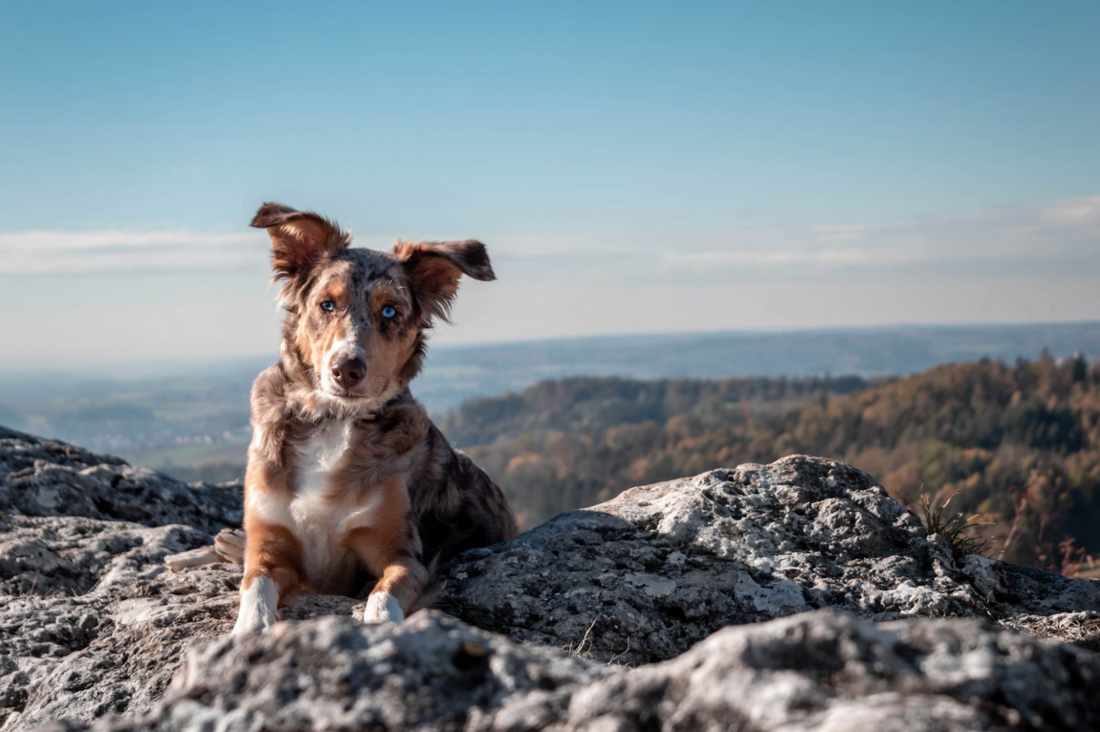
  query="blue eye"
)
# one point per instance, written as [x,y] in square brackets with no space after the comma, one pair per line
[328,306]
[388,312]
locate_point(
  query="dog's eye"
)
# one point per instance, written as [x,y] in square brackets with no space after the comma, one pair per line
[328,306]
[388,312]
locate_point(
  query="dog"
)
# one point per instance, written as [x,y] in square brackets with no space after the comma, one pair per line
[348,480]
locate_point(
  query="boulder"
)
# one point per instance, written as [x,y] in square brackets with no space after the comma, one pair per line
[92,623]
[816,671]
[40,477]
[645,576]
[94,627]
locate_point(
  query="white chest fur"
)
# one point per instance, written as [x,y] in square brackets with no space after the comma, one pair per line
[319,456]
[318,515]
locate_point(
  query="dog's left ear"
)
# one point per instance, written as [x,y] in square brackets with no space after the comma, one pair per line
[435,267]
[299,239]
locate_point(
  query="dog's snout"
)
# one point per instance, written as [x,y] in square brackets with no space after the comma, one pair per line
[350,372]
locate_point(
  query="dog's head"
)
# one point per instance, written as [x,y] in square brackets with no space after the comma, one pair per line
[357,318]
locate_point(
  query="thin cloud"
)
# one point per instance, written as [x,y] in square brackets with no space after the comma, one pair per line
[43,252]
[66,252]
[1066,232]
[1061,233]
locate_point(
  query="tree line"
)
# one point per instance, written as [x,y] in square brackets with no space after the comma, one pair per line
[1019,442]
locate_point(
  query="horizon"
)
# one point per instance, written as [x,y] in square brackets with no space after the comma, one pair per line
[109,371]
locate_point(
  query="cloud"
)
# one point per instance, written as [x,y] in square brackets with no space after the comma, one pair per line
[1064,233]
[58,252]
[41,252]
[1061,234]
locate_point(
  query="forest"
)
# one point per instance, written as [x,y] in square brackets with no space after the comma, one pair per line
[1016,444]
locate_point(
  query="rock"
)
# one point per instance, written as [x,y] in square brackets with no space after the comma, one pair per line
[92,623]
[432,672]
[648,574]
[1038,601]
[827,671]
[40,477]
[822,670]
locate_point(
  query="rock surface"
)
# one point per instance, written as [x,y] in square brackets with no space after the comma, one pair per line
[644,576]
[822,671]
[92,624]
[40,477]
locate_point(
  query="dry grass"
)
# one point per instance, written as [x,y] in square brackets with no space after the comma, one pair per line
[957,528]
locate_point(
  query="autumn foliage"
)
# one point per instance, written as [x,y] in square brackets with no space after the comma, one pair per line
[1020,443]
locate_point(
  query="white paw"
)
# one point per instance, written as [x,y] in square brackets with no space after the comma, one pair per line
[382,607]
[259,605]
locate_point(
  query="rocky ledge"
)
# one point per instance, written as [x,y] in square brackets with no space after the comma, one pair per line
[791,596]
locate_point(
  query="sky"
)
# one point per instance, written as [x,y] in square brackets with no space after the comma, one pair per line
[633,167]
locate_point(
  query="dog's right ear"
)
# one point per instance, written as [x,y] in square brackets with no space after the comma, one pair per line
[299,239]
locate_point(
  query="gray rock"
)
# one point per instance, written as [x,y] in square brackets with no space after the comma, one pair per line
[648,574]
[827,671]
[822,670]
[93,624]
[40,477]
[1037,601]
[91,621]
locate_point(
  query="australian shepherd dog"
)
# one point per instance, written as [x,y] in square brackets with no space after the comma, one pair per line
[348,481]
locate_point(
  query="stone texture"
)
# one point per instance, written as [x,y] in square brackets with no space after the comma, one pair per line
[831,672]
[823,671]
[660,567]
[92,624]
[40,477]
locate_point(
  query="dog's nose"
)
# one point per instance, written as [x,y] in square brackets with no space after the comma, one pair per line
[350,372]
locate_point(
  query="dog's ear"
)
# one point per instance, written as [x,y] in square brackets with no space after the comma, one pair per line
[298,238]
[434,268]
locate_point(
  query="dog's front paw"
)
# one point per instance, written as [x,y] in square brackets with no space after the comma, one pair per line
[382,607]
[229,545]
[258,607]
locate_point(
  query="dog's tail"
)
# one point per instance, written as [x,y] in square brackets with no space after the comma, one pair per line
[228,547]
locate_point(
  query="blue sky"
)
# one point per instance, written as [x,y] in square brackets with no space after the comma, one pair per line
[633,167]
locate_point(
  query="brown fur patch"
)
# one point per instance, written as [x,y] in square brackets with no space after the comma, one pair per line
[275,552]
[299,239]
[434,269]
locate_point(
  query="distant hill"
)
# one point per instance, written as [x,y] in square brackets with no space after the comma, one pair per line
[457,373]
[191,420]
[1019,441]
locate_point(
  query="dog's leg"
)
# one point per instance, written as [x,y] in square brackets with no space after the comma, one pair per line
[228,547]
[401,584]
[272,573]
[402,577]
[192,558]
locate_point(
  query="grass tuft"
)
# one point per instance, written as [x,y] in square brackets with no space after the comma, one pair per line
[957,528]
